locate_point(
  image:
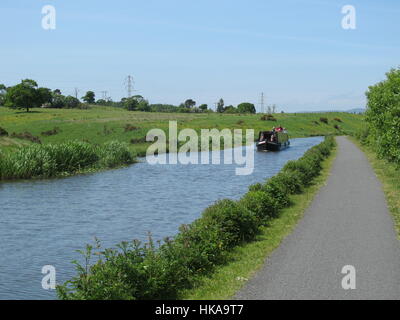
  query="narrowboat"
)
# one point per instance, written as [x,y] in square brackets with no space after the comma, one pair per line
[273,140]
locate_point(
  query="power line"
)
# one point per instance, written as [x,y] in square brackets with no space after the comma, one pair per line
[104,95]
[76,92]
[262,103]
[129,84]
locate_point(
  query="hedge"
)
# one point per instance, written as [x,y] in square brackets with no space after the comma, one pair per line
[138,271]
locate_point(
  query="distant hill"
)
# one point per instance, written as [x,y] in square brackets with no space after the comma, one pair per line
[355,110]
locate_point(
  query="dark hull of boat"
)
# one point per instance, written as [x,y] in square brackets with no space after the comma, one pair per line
[272,146]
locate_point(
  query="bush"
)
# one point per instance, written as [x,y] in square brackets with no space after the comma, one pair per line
[234,222]
[276,189]
[58,101]
[262,204]
[268,117]
[53,132]
[71,102]
[309,166]
[324,120]
[383,116]
[129,127]
[198,247]
[363,136]
[3,132]
[114,154]
[290,181]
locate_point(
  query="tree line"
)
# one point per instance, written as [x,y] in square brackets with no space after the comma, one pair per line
[28,94]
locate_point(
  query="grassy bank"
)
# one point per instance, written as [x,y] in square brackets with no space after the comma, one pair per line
[247,259]
[134,271]
[63,159]
[99,125]
[389,174]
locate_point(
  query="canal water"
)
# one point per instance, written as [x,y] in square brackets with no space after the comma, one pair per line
[45,222]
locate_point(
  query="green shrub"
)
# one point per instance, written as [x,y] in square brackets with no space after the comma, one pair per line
[363,136]
[383,116]
[277,190]
[115,154]
[324,120]
[263,205]
[198,247]
[235,223]
[291,181]
[304,169]
[3,132]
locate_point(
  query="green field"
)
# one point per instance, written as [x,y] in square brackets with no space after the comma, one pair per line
[102,124]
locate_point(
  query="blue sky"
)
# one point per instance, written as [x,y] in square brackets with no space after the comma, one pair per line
[295,51]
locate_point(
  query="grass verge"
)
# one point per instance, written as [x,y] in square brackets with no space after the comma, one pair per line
[247,259]
[389,175]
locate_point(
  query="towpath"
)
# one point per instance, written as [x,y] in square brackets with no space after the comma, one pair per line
[347,224]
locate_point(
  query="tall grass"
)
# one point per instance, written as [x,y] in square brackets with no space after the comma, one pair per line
[46,161]
[137,272]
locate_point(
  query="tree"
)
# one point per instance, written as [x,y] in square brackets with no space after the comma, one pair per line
[57,100]
[3,91]
[144,106]
[23,95]
[130,104]
[383,116]
[44,96]
[230,109]
[220,106]
[136,103]
[203,107]
[89,97]
[138,98]
[103,102]
[246,107]
[189,103]
[71,102]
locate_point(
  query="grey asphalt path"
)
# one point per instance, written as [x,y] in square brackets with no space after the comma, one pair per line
[348,223]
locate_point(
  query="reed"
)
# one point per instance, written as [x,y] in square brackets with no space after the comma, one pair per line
[51,160]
